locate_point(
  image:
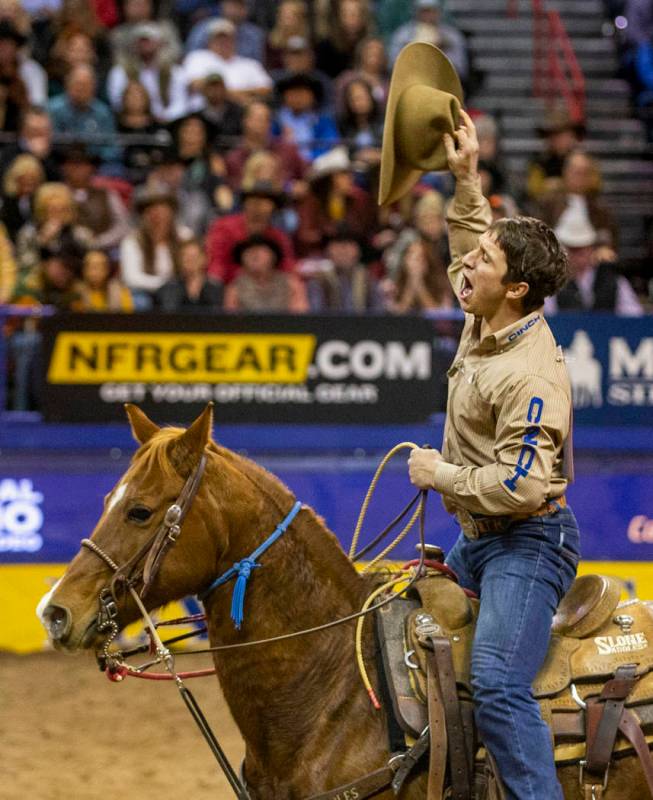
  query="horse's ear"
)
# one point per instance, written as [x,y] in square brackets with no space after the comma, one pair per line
[143,429]
[187,449]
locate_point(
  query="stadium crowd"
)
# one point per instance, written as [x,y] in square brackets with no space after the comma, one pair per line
[193,155]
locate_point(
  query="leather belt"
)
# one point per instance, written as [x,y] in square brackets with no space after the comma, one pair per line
[476,525]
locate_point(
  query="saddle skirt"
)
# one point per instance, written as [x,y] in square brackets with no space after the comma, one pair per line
[593,634]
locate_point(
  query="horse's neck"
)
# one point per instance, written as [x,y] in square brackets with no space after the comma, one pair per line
[304,580]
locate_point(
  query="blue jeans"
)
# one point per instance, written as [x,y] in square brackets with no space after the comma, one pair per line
[520,576]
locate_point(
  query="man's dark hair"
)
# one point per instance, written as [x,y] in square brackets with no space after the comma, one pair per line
[533,255]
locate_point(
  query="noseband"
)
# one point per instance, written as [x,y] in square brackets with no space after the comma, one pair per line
[153,551]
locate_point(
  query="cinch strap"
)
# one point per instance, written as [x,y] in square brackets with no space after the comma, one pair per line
[243,569]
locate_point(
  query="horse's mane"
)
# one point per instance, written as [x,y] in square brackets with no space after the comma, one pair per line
[155,454]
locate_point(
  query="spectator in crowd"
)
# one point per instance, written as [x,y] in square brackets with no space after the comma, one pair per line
[223,117]
[71,49]
[16,13]
[191,289]
[291,24]
[191,148]
[74,16]
[190,139]
[260,284]
[244,78]
[250,39]
[361,122]
[53,280]
[298,56]
[34,138]
[430,228]
[14,94]
[54,229]
[343,281]
[8,269]
[100,210]
[390,15]
[560,135]
[136,119]
[595,283]
[493,178]
[348,23]
[78,112]
[20,184]
[20,73]
[417,287]
[258,206]
[257,135]
[372,66]
[196,203]
[135,14]
[299,120]
[427,26]
[148,255]
[165,82]
[333,200]
[579,199]
[99,289]
[265,166]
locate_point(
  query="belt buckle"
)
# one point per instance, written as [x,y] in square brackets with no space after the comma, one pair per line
[468,524]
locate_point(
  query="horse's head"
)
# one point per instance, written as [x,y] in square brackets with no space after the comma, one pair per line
[138,533]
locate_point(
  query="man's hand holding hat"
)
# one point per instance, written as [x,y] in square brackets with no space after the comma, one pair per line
[462,149]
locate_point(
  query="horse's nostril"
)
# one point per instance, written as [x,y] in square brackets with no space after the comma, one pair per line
[57,621]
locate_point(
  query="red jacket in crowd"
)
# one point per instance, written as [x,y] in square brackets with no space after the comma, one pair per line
[225,233]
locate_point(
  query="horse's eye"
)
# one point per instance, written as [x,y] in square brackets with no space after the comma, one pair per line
[139,514]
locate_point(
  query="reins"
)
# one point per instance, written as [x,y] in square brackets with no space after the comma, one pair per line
[166,535]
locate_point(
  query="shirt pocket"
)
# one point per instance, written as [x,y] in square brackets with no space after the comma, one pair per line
[473,413]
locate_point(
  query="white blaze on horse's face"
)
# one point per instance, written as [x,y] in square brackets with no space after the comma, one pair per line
[45,600]
[117,496]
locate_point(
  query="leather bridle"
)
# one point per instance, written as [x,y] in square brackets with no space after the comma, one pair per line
[152,552]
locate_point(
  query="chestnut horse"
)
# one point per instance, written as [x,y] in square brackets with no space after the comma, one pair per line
[300,705]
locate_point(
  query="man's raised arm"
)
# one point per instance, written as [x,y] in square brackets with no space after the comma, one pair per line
[469,212]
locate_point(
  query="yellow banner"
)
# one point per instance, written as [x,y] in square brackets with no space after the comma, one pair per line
[92,358]
[23,585]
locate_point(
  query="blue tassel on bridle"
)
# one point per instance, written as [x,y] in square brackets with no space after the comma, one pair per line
[242,569]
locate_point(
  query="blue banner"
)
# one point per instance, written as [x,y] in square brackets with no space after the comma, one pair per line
[610,364]
[48,505]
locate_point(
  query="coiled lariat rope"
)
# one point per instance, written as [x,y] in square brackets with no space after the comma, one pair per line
[368,497]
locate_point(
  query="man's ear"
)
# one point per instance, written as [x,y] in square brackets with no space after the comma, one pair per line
[517,291]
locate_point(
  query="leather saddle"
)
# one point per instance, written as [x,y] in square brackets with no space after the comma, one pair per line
[595,638]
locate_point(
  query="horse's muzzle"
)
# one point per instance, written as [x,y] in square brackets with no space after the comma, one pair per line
[57,621]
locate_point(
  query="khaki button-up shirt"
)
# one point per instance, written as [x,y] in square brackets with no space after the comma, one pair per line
[509,403]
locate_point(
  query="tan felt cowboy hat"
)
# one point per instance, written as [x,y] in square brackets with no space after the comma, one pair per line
[423,104]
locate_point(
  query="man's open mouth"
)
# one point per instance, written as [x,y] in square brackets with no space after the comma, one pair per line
[467,289]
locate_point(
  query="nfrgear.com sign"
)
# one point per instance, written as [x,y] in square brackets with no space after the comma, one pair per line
[259,369]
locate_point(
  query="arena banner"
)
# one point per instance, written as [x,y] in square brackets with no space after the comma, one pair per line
[306,369]
[255,369]
[47,505]
[610,363]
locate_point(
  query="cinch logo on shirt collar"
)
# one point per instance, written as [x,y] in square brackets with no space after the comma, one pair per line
[523,329]
[527,452]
